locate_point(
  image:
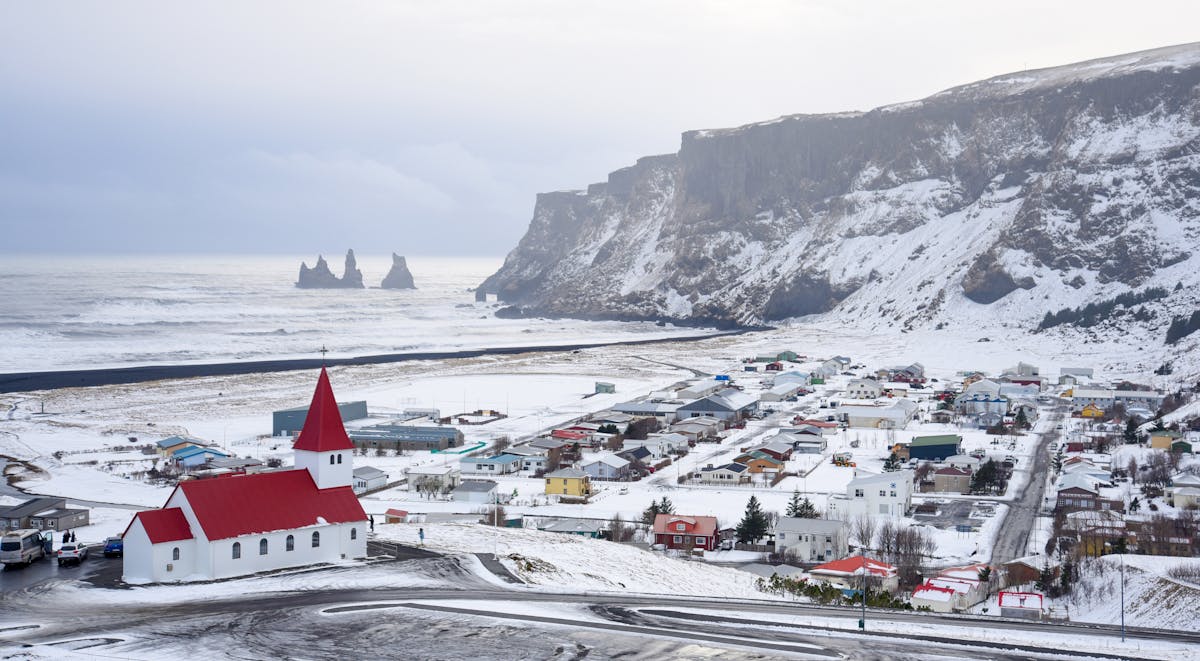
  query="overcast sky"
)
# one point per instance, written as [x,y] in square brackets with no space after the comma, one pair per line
[428,127]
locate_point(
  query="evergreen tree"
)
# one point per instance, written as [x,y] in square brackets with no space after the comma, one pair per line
[754,524]
[1135,505]
[1045,579]
[666,506]
[651,512]
[793,508]
[1022,420]
[892,463]
[1131,432]
[808,510]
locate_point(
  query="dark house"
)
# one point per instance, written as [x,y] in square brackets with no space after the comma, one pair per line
[935,448]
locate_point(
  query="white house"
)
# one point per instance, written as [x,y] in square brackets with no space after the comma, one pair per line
[498,465]
[730,473]
[532,458]
[367,478]
[698,427]
[606,466]
[894,416]
[245,524]
[781,391]
[480,492]
[864,389]
[811,540]
[659,445]
[442,478]
[884,494]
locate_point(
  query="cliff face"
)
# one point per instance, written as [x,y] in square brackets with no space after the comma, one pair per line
[1018,194]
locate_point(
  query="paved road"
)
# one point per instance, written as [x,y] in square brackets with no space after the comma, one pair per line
[47,569]
[1013,538]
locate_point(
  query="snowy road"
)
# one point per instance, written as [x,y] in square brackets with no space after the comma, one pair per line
[481,620]
[1013,538]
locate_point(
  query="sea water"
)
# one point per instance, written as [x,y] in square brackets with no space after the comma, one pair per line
[94,312]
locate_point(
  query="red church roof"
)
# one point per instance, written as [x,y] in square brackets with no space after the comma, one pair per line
[168,525]
[323,428]
[249,504]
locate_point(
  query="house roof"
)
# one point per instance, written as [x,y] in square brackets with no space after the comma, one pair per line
[573,526]
[931,592]
[165,525]
[853,566]
[1077,481]
[569,434]
[498,459]
[966,573]
[172,441]
[952,472]
[323,428]
[1030,600]
[609,459]
[700,525]
[263,502]
[391,511]
[640,452]
[477,486]
[731,467]
[430,470]
[368,473]
[193,450]
[894,476]
[31,506]
[940,439]
[572,473]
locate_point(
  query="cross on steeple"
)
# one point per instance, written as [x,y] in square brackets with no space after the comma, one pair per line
[323,351]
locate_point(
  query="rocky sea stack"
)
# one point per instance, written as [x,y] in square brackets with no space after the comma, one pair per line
[399,277]
[320,277]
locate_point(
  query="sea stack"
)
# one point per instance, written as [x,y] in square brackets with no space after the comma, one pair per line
[320,277]
[399,277]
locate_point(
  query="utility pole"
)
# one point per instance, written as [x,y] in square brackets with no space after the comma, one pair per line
[862,622]
[1122,597]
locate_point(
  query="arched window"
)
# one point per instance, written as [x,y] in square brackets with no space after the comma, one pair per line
[353,533]
[175,553]
[339,458]
[330,460]
[262,546]
[291,543]
[237,550]
[316,539]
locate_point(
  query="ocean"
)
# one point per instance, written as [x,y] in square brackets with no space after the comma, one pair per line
[96,312]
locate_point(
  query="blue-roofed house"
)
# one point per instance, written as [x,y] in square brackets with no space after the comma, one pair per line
[192,456]
[169,445]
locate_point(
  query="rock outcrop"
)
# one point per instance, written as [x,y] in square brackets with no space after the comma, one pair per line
[399,276]
[320,277]
[1001,199]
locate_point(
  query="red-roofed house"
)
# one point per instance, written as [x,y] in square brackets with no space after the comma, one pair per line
[676,531]
[935,598]
[247,524]
[847,572]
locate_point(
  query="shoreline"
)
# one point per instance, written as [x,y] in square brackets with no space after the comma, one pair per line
[55,379]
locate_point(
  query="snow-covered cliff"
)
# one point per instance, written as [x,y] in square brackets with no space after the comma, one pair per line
[1003,199]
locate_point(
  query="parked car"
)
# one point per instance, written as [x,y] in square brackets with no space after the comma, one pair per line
[21,547]
[72,554]
[114,547]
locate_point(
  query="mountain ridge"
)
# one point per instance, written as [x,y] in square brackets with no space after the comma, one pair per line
[1075,184]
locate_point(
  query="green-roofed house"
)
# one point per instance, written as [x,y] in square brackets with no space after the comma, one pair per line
[935,448]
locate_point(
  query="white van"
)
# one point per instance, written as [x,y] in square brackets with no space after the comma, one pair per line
[21,547]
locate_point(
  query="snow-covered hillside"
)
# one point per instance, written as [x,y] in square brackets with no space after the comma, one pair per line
[979,208]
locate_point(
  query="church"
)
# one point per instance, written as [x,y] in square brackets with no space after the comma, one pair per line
[233,526]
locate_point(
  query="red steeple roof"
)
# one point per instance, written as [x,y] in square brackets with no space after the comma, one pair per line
[323,429]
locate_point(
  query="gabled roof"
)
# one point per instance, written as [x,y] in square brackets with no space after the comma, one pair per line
[853,566]
[894,476]
[166,525]
[172,441]
[1078,481]
[732,467]
[368,473]
[323,428]
[1030,600]
[571,473]
[700,525]
[952,472]
[941,439]
[608,458]
[264,502]
[931,592]
[498,459]
[478,486]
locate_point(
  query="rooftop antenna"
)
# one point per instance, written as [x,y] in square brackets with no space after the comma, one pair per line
[322,351]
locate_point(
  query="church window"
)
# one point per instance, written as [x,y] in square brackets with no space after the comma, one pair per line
[353,533]
[175,553]
[291,543]
[237,550]
[330,460]
[339,458]
[262,546]
[316,539]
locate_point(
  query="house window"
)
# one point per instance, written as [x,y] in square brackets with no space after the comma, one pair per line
[893,494]
[262,546]
[882,493]
[353,534]
[700,541]
[858,493]
[680,527]
[290,543]
[175,553]
[677,539]
[316,540]
[237,550]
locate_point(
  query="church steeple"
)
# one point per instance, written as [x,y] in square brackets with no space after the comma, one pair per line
[323,446]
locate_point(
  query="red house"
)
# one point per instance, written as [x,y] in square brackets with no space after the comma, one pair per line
[676,531]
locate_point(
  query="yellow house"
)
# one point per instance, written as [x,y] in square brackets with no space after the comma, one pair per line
[1163,438]
[569,483]
[1092,411]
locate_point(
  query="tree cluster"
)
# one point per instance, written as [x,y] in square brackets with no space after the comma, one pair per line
[1094,313]
[801,508]
[664,506]
[1181,327]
